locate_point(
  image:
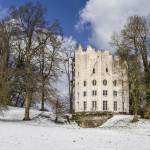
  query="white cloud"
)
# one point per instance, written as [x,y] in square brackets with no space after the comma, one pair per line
[68,42]
[107,16]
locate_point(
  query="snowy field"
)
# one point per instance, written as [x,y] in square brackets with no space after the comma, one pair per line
[42,134]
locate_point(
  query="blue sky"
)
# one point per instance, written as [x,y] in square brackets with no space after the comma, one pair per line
[66,11]
[88,21]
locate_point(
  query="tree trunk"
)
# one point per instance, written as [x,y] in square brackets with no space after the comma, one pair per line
[43,93]
[28,96]
[43,100]
[135,118]
[27,107]
[147,85]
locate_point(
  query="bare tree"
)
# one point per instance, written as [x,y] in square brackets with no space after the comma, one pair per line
[30,23]
[49,63]
[68,55]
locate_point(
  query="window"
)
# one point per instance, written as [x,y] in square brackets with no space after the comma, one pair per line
[105,105]
[78,95]
[84,105]
[106,69]
[84,93]
[105,92]
[94,105]
[94,93]
[114,93]
[84,83]
[123,106]
[115,105]
[115,82]
[78,105]
[93,70]
[104,82]
[94,82]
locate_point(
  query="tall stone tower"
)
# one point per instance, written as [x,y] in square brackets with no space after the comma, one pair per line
[101,83]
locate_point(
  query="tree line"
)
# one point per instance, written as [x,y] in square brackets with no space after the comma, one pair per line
[30,57]
[132,45]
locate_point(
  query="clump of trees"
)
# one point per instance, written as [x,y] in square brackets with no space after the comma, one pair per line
[5,65]
[132,44]
[29,56]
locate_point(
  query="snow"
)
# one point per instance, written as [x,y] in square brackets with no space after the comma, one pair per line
[42,134]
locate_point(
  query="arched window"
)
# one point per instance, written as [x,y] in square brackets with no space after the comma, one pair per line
[105,82]
[94,82]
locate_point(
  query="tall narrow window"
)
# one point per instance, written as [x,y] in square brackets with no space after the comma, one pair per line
[115,105]
[78,95]
[105,105]
[106,69]
[93,70]
[94,82]
[84,93]
[84,105]
[94,92]
[123,106]
[94,105]
[78,105]
[105,92]
[84,83]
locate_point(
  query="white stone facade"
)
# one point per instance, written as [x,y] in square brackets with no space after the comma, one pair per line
[100,83]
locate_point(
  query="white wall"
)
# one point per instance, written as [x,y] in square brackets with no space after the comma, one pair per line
[85,61]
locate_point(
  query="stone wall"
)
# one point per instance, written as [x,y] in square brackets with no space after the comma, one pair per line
[91,120]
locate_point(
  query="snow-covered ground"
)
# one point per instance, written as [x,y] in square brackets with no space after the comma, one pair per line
[42,134]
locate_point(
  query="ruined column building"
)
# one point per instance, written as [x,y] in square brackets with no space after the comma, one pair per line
[101,82]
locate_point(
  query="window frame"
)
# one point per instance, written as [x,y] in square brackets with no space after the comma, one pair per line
[115,106]
[105,92]
[106,69]
[104,82]
[93,71]
[84,93]
[94,82]
[115,82]
[105,105]
[85,105]
[94,92]
[84,83]
[94,105]
[115,93]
